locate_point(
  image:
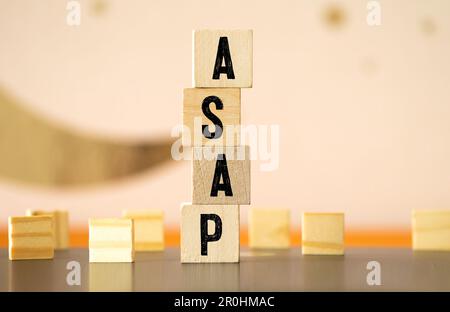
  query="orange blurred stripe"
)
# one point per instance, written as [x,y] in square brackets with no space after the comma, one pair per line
[3,239]
[353,238]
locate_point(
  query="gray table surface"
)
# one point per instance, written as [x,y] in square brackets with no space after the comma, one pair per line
[288,270]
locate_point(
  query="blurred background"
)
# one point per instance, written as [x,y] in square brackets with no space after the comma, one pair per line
[86,111]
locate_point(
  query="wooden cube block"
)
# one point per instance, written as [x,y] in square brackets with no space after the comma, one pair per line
[212,116]
[30,238]
[209,233]
[323,234]
[148,229]
[223,58]
[221,175]
[111,240]
[269,228]
[431,230]
[60,226]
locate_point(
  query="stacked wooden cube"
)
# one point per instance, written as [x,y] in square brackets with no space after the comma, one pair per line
[223,64]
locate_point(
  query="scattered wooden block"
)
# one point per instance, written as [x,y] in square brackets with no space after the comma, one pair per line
[30,238]
[60,226]
[148,229]
[221,175]
[223,58]
[431,230]
[323,234]
[269,228]
[111,240]
[212,116]
[209,233]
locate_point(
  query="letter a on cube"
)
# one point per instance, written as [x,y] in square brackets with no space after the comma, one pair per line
[221,175]
[223,58]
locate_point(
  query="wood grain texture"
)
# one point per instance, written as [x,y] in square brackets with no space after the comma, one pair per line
[60,226]
[226,249]
[431,230]
[269,228]
[194,118]
[323,233]
[204,169]
[111,240]
[30,238]
[206,44]
[148,229]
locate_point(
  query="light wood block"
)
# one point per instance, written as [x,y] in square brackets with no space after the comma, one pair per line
[201,107]
[148,229]
[60,226]
[208,48]
[431,230]
[111,240]
[269,228]
[323,234]
[218,233]
[30,238]
[221,175]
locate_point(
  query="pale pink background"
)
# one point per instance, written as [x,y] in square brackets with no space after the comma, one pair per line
[364,111]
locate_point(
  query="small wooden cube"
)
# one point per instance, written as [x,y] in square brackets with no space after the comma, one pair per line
[323,233]
[269,228]
[223,58]
[111,240]
[209,233]
[148,229]
[201,107]
[30,238]
[431,230]
[60,226]
[221,175]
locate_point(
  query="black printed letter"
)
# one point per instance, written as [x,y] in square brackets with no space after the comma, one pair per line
[217,122]
[223,52]
[221,171]
[204,237]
